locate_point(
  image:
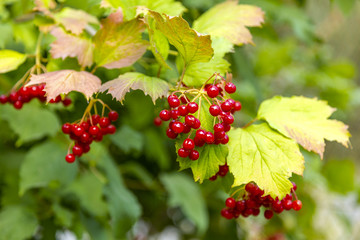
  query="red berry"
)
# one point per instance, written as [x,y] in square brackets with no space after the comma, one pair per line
[104,122]
[183,152]
[192,107]
[173,101]
[197,124]
[251,188]
[268,214]
[209,138]
[230,202]
[200,134]
[13,97]
[287,204]
[85,137]
[18,104]
[70,158]
[165,115]
[94,130]
[66,128]
[183,111]
[113,116]
[194,155]
[77,150]
[225,140]
[226,213]
[219,135]
[230,87]
[34,91]
[175,114]
[111,129]
[297,205]
[177,127]
[95,119]
[86,148]
[237,106]
[228,119]
[214,110]
[226,106]
[157,121]
[56,100]
[199,142]
[227,127]
[218,127]
[78,131]
[223,170]
[212,91]
[85,126]
[256,212]
[184,99]
[190,120]
[98,136]
[188,144]
[240,205]
[3,99]
[171,134]
[187,128]
[67,101]
[294,186]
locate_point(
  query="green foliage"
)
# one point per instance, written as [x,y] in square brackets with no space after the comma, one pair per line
[10,60]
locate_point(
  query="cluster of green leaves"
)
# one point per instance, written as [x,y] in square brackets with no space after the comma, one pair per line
[91,56]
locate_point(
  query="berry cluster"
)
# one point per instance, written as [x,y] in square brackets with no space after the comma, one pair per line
[84,133]
[183,121]
[26,94]
[223,170]
[252,201]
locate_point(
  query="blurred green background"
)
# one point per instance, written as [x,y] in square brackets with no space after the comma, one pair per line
[305,47]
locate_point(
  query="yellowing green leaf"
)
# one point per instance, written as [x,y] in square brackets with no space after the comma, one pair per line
[10,60]
[74,20]
[170,7]
[44,5]
[192,46]
[264,156]
[304,120]
[67,45]
[118,44]
[229,20]
[152,86]
[65,81]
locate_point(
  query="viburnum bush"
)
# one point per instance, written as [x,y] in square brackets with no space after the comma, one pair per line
[189,81]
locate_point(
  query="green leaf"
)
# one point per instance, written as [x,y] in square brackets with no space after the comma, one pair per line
[6,34]
[31,122]
[183,192]
[156,149]
[264,156]
[119,44]
[127,139]
[90,198]
[192,46]
[305,121]
[10,60]
[45,165]
[155,87]
[63,215]
[340,175]
[230,20]
[17,223]
[170,7]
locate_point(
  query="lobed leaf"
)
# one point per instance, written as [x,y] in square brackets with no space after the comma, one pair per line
[65,81]
[10,60]
[229,20]
[192,46]
[152,86]
[68,45]
[264,156]
[119,44]
[304,120]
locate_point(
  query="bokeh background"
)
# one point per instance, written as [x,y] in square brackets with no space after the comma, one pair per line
[305,47]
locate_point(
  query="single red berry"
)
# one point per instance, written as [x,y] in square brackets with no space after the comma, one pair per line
[85,126]
[188,144]
[268,214]
[175,114]
[225,140]
[197,124]
[70,158]
[182,152]
[212,91]
[85,137]
[287,204]
[214,110]
[3,99]
[18,104]
[55,100]
[177,127]
[192,107]
[13,97]
[77,150]
[190,120]
[223,170]
[200,134]
[183,110]
[67,101]
[240,205]
[294,186]
[297,205]
[230,87]
[230,202]
[184,99]
[226,106]
[157,121]
[256,212]
[187,128]
[227,127]
[165,115]
[94,130]
[226,213]
[237,106]
[95,119]
[250,203]
[113,116]
[209,138]
[218,128]
[34,91]
[219,135]
[98,137]
[251,188]
[213,178]
[78,131]
[228,119]
[171,134]
[199,142]
[104,122]
[111,129]
[66,128]
[173,101]
[194,155]
[86,148]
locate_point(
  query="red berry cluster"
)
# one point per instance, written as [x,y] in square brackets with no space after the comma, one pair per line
[183,120]
[26,94]
[88,131]
[252,201]
[223,170]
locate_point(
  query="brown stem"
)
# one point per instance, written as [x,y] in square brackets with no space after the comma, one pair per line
[249,123]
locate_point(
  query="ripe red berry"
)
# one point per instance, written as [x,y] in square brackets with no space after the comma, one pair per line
[256,212]
[294,186]
[56,99]
[94,130]
[85,126]
[237,106]
[67,101]
[177,127]
[165,115]
[212,91]
[174,114]
[209,138]
[194,155]
[18,104]
[196,124]
[225,140]
[192,107]
[111,129]
[187,128]
[268,214]
[223,170]
[78,130]
[157,121]
[95,119]
[188,144]
[226,213]
[98,137]
[183,110]
[66,128]
[230,87]
[77,150]
[104,122]
[86,148]
[13,97]
[3,99]
[85,137]
[297,205]
[173,101]
[184,99]
[190,120]
[218,127]
[113,116]
[227,127]
[240,205]
[200,134]
[287,204]
[219,135]
[70,158]
[230,202]
[171,134]
[182,152]
[214,110]
[199,142]
[226,106]
[228,119]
